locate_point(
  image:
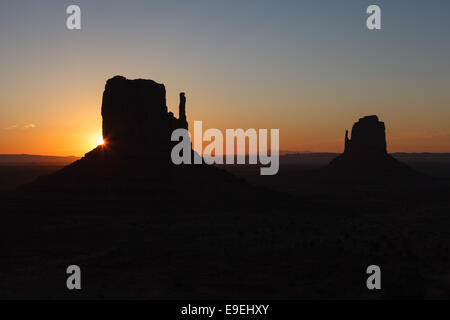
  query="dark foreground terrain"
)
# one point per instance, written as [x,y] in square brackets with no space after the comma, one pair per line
[18,169]
[310,241]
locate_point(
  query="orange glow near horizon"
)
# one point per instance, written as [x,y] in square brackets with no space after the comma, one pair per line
[68,121]
[76,137]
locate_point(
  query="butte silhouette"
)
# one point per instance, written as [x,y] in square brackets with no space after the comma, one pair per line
[135,159]
[365,157]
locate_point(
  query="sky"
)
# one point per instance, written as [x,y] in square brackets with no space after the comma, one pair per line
[308,68]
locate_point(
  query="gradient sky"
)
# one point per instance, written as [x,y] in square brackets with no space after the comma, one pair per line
[310,68]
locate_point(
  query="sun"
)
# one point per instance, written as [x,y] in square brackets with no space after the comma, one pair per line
[100,141]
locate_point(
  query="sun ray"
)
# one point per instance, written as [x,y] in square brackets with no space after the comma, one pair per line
[100,141]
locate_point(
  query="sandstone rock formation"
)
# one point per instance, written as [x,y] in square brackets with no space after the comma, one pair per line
[135,158]
[136,121]
[368,137]
[365,157]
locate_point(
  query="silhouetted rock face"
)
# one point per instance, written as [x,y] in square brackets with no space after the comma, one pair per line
[135,159]
[368,137]
[135,117]
[365,157]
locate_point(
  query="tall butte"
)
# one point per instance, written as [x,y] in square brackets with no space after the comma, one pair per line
[365,157]
[137,129]
[136,121]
